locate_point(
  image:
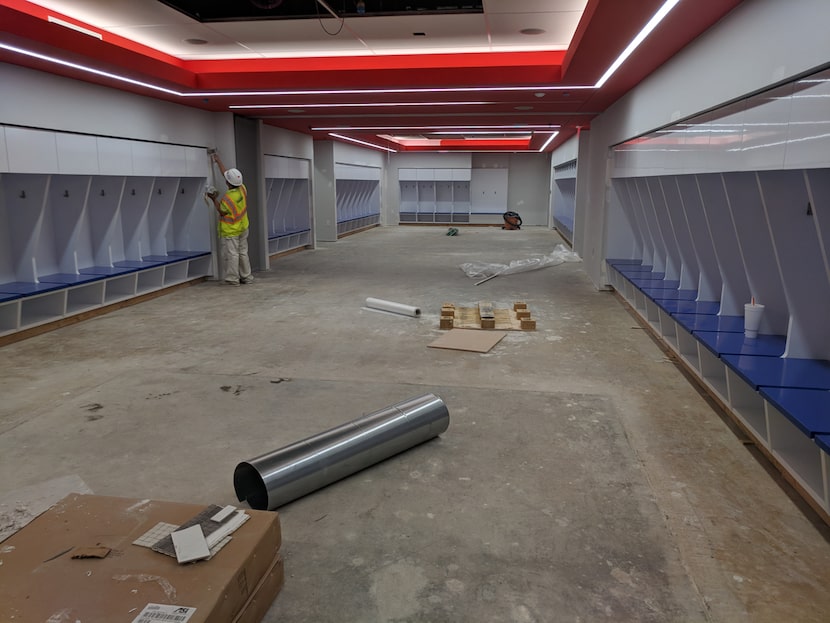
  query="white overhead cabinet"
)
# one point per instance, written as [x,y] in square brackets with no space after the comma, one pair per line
[288,203]
[92,221]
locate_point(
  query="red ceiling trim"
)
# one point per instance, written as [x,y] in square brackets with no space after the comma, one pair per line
[542,60]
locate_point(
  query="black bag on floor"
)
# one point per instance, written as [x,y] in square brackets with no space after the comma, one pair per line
[512,220]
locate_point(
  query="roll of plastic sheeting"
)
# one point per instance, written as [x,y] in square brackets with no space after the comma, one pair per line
[395,308]
[271,480]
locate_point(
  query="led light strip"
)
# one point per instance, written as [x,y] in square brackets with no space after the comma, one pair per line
[354,140]
[401,128]
[355,105]
[55,20]
[548,142]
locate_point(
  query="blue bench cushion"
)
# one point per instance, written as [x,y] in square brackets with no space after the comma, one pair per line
[187,254]
[8,297]
[106,271]
[709,322]
[724,343]
[69,279]
[780,372]
[648,282]
[154,260]
[663,294]
[674,306]
[642,272]
[26,287]
[823,442]
[621,262]
[808,409]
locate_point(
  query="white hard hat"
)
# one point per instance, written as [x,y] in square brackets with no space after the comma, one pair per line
[234,177]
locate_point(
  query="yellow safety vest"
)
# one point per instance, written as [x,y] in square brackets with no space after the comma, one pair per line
[234,208]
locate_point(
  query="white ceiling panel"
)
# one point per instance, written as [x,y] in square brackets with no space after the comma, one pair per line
[290,38]
[171,40]
[559,29]
[395,33]
[533,6]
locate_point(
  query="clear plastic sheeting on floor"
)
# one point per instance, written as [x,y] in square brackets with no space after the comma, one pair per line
[484,270]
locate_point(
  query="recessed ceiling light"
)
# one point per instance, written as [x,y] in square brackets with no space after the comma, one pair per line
[195,41]
[540,94]
[524,108]
[532,31]
[296,111]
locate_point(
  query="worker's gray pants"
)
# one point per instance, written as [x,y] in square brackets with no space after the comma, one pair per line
[237,265]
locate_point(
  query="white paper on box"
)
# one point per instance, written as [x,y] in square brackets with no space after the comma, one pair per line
[153,613]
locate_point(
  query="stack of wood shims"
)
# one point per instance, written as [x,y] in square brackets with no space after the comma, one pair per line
[523,314]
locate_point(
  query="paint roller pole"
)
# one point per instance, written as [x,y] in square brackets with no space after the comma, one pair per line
[271,480]
[395,308]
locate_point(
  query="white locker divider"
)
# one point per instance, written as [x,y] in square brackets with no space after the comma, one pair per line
[798,249]
[739,214]
[736,291]
[434,195]
[675,214]
[288,203]
[710,284]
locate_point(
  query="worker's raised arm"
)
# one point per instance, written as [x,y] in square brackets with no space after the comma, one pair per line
[218,161]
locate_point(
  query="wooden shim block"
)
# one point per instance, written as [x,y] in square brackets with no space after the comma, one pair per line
[485,310]
[488,323]
[519,305]
[448,311]
[528,324]
[446,322]
[522,313]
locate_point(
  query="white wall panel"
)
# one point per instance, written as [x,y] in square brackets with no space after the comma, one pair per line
[31,151]
[407,175]
[77,153]
[115,156]
[92,109]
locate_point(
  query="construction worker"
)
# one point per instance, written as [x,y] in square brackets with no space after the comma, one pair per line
[233,225]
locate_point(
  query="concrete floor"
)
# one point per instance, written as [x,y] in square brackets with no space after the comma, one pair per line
[583,478]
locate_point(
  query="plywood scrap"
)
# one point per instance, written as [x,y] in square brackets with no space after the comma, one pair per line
[469,340]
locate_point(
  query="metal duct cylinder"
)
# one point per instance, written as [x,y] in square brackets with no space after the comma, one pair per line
[271,480]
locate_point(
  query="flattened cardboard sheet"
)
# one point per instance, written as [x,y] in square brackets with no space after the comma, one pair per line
[469,339]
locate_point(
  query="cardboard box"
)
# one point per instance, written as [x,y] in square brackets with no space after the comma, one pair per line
[40,581]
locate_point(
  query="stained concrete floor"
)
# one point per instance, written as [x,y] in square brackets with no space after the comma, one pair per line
[583,478]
